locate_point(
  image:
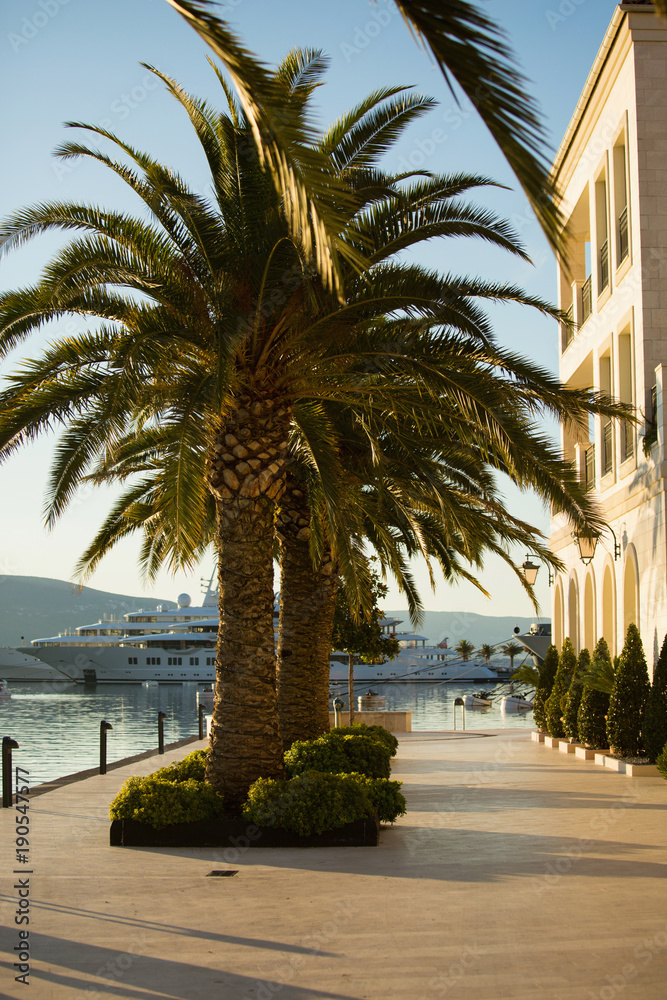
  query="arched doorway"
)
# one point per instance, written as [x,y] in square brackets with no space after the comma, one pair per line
[573,613]
[590,623]
[609,608]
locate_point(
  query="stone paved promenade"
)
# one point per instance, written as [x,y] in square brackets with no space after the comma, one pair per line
[518,872]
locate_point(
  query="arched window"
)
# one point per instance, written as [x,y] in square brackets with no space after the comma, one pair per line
[573,613]
[590,623]
[630,590]
[609,608]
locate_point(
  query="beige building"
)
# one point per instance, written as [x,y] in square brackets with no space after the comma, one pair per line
[611,171]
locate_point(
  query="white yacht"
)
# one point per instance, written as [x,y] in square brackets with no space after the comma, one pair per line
[178,645]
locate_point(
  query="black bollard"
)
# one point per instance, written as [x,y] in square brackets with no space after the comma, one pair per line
[161,716]
[8,744]
[104,727]
[202,732]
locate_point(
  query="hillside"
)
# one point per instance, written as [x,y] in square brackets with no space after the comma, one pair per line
[36,607]
[457,625]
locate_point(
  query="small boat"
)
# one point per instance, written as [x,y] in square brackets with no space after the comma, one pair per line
[515,703]
[205,696]
[481,700]
[5,693]
[371,702]
[151,684]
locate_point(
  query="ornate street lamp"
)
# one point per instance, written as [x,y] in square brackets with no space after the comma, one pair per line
[586,544]
[529,571]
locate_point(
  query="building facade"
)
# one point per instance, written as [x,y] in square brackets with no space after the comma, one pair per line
[610,171]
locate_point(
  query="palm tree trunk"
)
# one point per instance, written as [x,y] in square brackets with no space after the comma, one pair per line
[307,603]
[246,476]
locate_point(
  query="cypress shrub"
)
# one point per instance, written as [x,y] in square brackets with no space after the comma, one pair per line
[574,696]
[654,728]
[628,697]
[592,714]
[544,686]
[555,706]
[661,761]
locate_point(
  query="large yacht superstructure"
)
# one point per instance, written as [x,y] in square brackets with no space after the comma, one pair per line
[179,645]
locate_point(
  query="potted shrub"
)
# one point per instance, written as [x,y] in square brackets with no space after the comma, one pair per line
[628,697]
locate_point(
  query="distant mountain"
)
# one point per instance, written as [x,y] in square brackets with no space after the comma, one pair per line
[36,607]
[457,625]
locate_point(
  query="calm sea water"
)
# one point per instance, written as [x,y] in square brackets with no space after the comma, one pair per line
[57,726]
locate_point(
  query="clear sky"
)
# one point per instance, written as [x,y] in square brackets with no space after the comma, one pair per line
[79,60]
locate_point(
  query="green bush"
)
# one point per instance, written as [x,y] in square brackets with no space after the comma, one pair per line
[193,766]
[159,802]
[654,729]
[628,697]
[555,705]
[385,795]
[378,733]
[545,684]
[661,761]
[308,803]
[574,695]
[338,753]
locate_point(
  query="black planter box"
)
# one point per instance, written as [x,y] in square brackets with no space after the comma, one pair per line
[238,834]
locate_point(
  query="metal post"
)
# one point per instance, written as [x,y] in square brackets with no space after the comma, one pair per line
[8,744]
[104,727]
[337,705]
[161,716]
[460,701]
[202,732]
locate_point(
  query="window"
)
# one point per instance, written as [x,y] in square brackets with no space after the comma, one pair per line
[606,426]
[626,393]
[620,164]
[194,661]
[602,231]
[131,659]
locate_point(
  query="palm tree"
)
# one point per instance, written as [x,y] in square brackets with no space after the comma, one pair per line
[468,47]
[486,651]
[465,648]
[216,335]
[511,649]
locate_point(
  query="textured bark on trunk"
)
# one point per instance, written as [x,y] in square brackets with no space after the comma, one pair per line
[246,477]
[307,604]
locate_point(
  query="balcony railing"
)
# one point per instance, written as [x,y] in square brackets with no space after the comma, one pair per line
[567,330]
[607,448]
[604,265]
[586,299]
[623,240]
[627,440]
[589,465]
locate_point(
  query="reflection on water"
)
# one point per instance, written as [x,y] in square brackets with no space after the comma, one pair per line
[57,726]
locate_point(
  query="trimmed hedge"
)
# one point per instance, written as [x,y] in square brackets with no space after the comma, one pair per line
[555,706]
[628,698]
[545,684]
[338,754]
[574,696]
[308,803]
[385,795]
[654,728]
[193,766]
[378,733]
[160,802]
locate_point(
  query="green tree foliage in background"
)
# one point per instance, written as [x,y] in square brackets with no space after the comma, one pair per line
[555,707]
[359,632]
[628,697]
[465,648]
